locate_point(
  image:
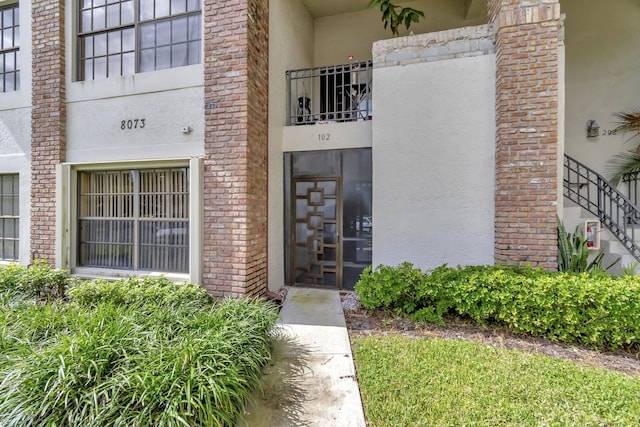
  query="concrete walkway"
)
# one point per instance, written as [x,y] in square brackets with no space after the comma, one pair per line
[311,380]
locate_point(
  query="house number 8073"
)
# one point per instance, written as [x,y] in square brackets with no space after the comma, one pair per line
[132,124]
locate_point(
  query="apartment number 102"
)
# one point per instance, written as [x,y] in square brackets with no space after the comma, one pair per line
[132,124]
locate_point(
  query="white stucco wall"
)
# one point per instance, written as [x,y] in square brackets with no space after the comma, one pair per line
[562,103]
[433,151]
[338,36]
[167,100]
[290,47]
[602,62]
[95,134]
[15,146]
[330,136]
[15,130]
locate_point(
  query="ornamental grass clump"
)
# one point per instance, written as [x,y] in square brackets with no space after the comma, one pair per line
[139,352]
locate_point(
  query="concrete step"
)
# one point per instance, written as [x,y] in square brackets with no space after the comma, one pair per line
[612,254]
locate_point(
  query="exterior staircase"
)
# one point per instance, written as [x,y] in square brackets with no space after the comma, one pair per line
[588,195]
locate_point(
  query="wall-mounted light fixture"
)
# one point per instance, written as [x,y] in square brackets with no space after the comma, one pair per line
[593,129]
[186,129]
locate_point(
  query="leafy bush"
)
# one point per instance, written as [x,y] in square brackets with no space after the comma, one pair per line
[593,309]
[392,288]
[392,18]
[38,280]
[138,291]
[10,276]
[166,355]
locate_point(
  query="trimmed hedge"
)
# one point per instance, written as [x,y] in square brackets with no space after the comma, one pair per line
[139,291]
[597,310]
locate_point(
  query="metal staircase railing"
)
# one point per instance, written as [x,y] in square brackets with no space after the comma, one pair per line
[593,192]
[631,182]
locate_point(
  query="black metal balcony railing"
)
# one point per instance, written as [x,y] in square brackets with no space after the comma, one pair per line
[593,192]
[335,93]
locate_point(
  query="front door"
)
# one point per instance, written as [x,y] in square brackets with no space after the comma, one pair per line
[317,221]
[328,220]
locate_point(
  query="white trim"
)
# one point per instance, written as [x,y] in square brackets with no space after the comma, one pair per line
[63,217]
[130,164]
[196,207]
[72,204]
[66,217]
[16,179]
[107,273]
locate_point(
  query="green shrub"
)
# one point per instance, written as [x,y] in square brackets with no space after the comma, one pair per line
[389,287]
[10,276]
[138,291]
[38,280]
[9,293]
[167,357]
[593,309]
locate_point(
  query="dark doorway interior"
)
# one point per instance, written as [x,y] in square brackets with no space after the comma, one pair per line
[328,220]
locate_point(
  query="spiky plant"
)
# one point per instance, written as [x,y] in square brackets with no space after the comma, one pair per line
[626,162]
[573,252]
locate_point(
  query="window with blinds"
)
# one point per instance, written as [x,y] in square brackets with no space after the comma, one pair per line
[9,217]
[134,219]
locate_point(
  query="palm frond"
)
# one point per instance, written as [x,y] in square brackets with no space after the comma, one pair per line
[621,164]
[628,121]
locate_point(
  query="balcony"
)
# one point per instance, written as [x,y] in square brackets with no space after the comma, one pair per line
[329,94]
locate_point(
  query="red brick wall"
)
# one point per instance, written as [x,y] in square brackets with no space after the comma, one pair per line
[48,122]
[235,182]
[527,44]
[258,166]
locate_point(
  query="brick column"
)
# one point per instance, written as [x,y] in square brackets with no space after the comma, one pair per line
[236,55]
[527,40]
[48,121]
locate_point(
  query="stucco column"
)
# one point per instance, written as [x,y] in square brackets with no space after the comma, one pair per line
[48,121]
[527,43]
[236,55]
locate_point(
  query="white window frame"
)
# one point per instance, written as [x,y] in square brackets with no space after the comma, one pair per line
[16,239]
[67,218]
[14,48]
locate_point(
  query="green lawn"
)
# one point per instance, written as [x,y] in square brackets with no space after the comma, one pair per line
[425,382]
